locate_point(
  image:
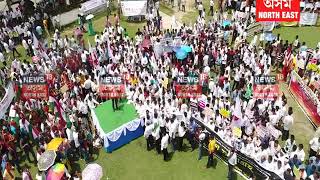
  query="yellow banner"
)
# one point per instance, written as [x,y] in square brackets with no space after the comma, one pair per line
[289,24]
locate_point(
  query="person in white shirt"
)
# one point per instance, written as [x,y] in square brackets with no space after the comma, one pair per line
[211,7]
[92,103]
[289,144]
[164,146]
[26,174]
[148,135]
[87,85]
[173,129]
[40,175]
[181,134]
[69,132]
[300,153]
[156,133]
[314,146]
[279,169]
[76,137]
[82,108]
[200,9]
[287,124]
[232,161]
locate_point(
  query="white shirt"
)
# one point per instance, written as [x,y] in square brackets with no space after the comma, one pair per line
[301,154]
[39,177]
[173,129]
[233,159]
[1,57]
[148,131]
[69,134]
[83,108]
[76,139]
[25,176]
[87,84]
[287,122]
[181,131]
[164,142]
[314,144]
[83,58]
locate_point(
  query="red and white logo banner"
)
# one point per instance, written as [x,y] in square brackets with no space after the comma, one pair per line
[34,87]
[112,87]
[188,91]
[278,10]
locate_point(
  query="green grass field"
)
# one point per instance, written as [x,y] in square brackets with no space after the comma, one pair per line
[166,9]
[133,161]
[310,35]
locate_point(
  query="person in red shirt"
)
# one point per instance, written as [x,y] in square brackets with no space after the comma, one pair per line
[221,80]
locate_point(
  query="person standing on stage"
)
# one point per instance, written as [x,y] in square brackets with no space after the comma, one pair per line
[115,104]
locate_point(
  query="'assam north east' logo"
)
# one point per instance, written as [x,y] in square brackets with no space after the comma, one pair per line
[278,10]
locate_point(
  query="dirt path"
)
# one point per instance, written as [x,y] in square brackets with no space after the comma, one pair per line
[179,14]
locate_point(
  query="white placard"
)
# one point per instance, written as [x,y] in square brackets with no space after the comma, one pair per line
[134,8]
[307,18]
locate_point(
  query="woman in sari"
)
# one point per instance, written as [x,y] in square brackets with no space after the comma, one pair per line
[287,63]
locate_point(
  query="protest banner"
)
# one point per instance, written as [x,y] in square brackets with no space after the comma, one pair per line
[245,165]
[305,97]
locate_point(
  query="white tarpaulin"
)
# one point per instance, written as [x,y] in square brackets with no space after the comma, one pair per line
[134,8]
[307,18]
[268,26]
[93,5]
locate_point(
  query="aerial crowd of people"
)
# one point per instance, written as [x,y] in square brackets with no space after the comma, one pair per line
[222,52]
